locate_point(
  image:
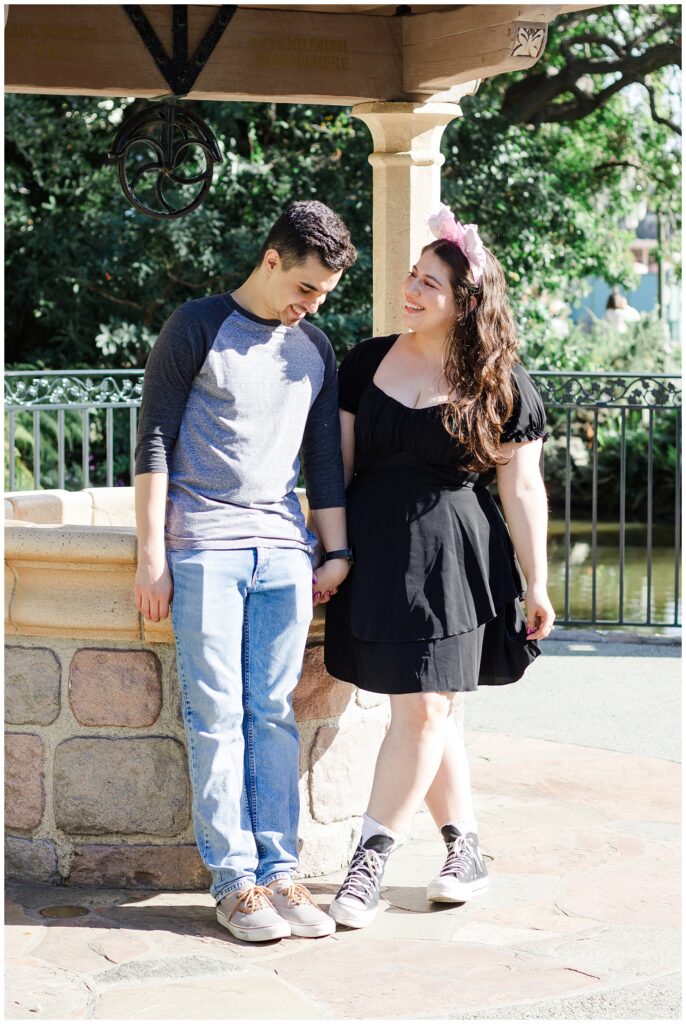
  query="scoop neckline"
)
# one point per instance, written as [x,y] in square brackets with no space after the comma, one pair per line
[410,408]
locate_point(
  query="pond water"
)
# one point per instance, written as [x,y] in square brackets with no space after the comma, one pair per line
[662,597]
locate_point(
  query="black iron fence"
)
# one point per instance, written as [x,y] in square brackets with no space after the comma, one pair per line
[613,474]
[612,469]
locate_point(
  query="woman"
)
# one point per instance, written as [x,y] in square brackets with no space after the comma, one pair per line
[429,418]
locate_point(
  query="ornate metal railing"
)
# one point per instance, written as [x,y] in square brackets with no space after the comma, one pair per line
[656,397]
[56,392]
[577,404]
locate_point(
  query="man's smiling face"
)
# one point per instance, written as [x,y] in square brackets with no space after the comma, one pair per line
[294,293]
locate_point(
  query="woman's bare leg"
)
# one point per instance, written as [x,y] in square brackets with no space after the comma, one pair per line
[449,797]
[409,757]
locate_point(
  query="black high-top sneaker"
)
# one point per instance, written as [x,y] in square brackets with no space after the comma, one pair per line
[464,875]
[357,901]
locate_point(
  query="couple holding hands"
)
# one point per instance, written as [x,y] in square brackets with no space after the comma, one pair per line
[418,568]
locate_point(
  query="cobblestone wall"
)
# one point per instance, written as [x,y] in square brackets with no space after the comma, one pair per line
[97,789]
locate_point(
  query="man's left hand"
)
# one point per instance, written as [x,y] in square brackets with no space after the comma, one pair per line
[327,579]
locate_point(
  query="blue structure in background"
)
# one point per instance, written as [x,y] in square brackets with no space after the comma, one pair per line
[644,298]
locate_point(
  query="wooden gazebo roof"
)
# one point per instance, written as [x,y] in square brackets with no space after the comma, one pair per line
[323,53]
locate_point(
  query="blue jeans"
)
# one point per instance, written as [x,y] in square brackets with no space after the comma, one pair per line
[241,619]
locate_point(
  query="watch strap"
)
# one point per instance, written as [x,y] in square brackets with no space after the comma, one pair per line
[341,553]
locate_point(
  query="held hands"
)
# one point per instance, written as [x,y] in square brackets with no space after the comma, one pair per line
[327,579]
[540,614]
[153,589]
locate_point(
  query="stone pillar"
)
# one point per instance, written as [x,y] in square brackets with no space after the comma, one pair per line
[407,163]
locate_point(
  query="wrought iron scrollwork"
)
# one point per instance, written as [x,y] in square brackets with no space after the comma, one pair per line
[162,153]
[27,392]
[619,390]
[165,156]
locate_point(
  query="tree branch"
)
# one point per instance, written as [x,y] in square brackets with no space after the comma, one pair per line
[591,38]
[112,298]
[653,110]
[214,281]
[532,100]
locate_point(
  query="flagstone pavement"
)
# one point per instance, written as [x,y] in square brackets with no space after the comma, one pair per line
[577,783]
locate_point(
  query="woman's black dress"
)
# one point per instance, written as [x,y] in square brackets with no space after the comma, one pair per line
[433,600]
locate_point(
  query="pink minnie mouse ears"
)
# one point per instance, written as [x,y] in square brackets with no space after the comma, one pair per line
[443,225]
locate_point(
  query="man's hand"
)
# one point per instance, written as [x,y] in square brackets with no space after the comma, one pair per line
[153,589]
[540,615]
[327,579]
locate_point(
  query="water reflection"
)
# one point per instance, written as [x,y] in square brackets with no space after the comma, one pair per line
[662,595]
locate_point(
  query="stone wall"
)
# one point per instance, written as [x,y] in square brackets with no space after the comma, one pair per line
[97,789]
[96,785]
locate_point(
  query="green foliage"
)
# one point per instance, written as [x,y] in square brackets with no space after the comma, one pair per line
[550,200]
[90,281]
[644,345]
[24,450]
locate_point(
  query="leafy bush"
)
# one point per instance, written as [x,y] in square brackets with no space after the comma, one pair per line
[598,346]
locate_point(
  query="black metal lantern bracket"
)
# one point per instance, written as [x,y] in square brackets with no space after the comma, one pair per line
[170,135]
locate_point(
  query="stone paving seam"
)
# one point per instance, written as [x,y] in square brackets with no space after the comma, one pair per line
[599,993]
[323,1009]
[77,979]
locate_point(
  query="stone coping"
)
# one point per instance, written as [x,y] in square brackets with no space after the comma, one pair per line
[92,506]
[70,564]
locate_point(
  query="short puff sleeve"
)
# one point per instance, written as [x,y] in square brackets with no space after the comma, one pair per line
[358,368]
[351,383]
[527,422]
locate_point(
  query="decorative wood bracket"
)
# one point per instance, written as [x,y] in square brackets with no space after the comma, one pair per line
[178,71]
[528,40]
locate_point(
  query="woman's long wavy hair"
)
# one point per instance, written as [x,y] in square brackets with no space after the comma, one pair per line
[482,343]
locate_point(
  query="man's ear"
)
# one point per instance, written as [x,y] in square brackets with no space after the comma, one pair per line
[271,260]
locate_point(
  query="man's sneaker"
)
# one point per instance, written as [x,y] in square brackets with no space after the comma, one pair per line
[250,916]
[294,903]
[464,874]
[357,901]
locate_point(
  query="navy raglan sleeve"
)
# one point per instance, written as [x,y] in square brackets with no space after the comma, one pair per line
[321,444]
[175,360]
[527,422]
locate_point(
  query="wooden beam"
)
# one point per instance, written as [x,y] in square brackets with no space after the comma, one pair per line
[270,55]
[444,49]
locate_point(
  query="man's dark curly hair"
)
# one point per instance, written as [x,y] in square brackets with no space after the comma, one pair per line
[311,228]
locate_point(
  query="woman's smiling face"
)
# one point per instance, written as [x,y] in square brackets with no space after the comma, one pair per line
[429,303]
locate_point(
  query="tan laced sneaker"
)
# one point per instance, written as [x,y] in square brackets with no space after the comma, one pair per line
[249,915]
[295,905]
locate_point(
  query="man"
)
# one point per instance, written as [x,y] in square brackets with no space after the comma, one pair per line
[235,386]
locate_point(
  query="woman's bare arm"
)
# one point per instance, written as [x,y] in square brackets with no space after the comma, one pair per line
[525,505]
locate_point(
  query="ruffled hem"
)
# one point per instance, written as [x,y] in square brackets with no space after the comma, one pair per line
[495,653]
[529,434]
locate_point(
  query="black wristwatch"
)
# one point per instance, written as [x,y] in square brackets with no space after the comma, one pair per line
[342,553]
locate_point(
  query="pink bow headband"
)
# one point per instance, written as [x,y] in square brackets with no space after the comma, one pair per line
[443,225]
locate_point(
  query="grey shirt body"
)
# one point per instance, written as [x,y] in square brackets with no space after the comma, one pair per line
[229,400]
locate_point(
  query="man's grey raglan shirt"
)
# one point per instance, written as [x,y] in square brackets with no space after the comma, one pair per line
[229,400]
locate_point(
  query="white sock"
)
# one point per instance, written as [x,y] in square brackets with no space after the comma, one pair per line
[370,827]
[465,826]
